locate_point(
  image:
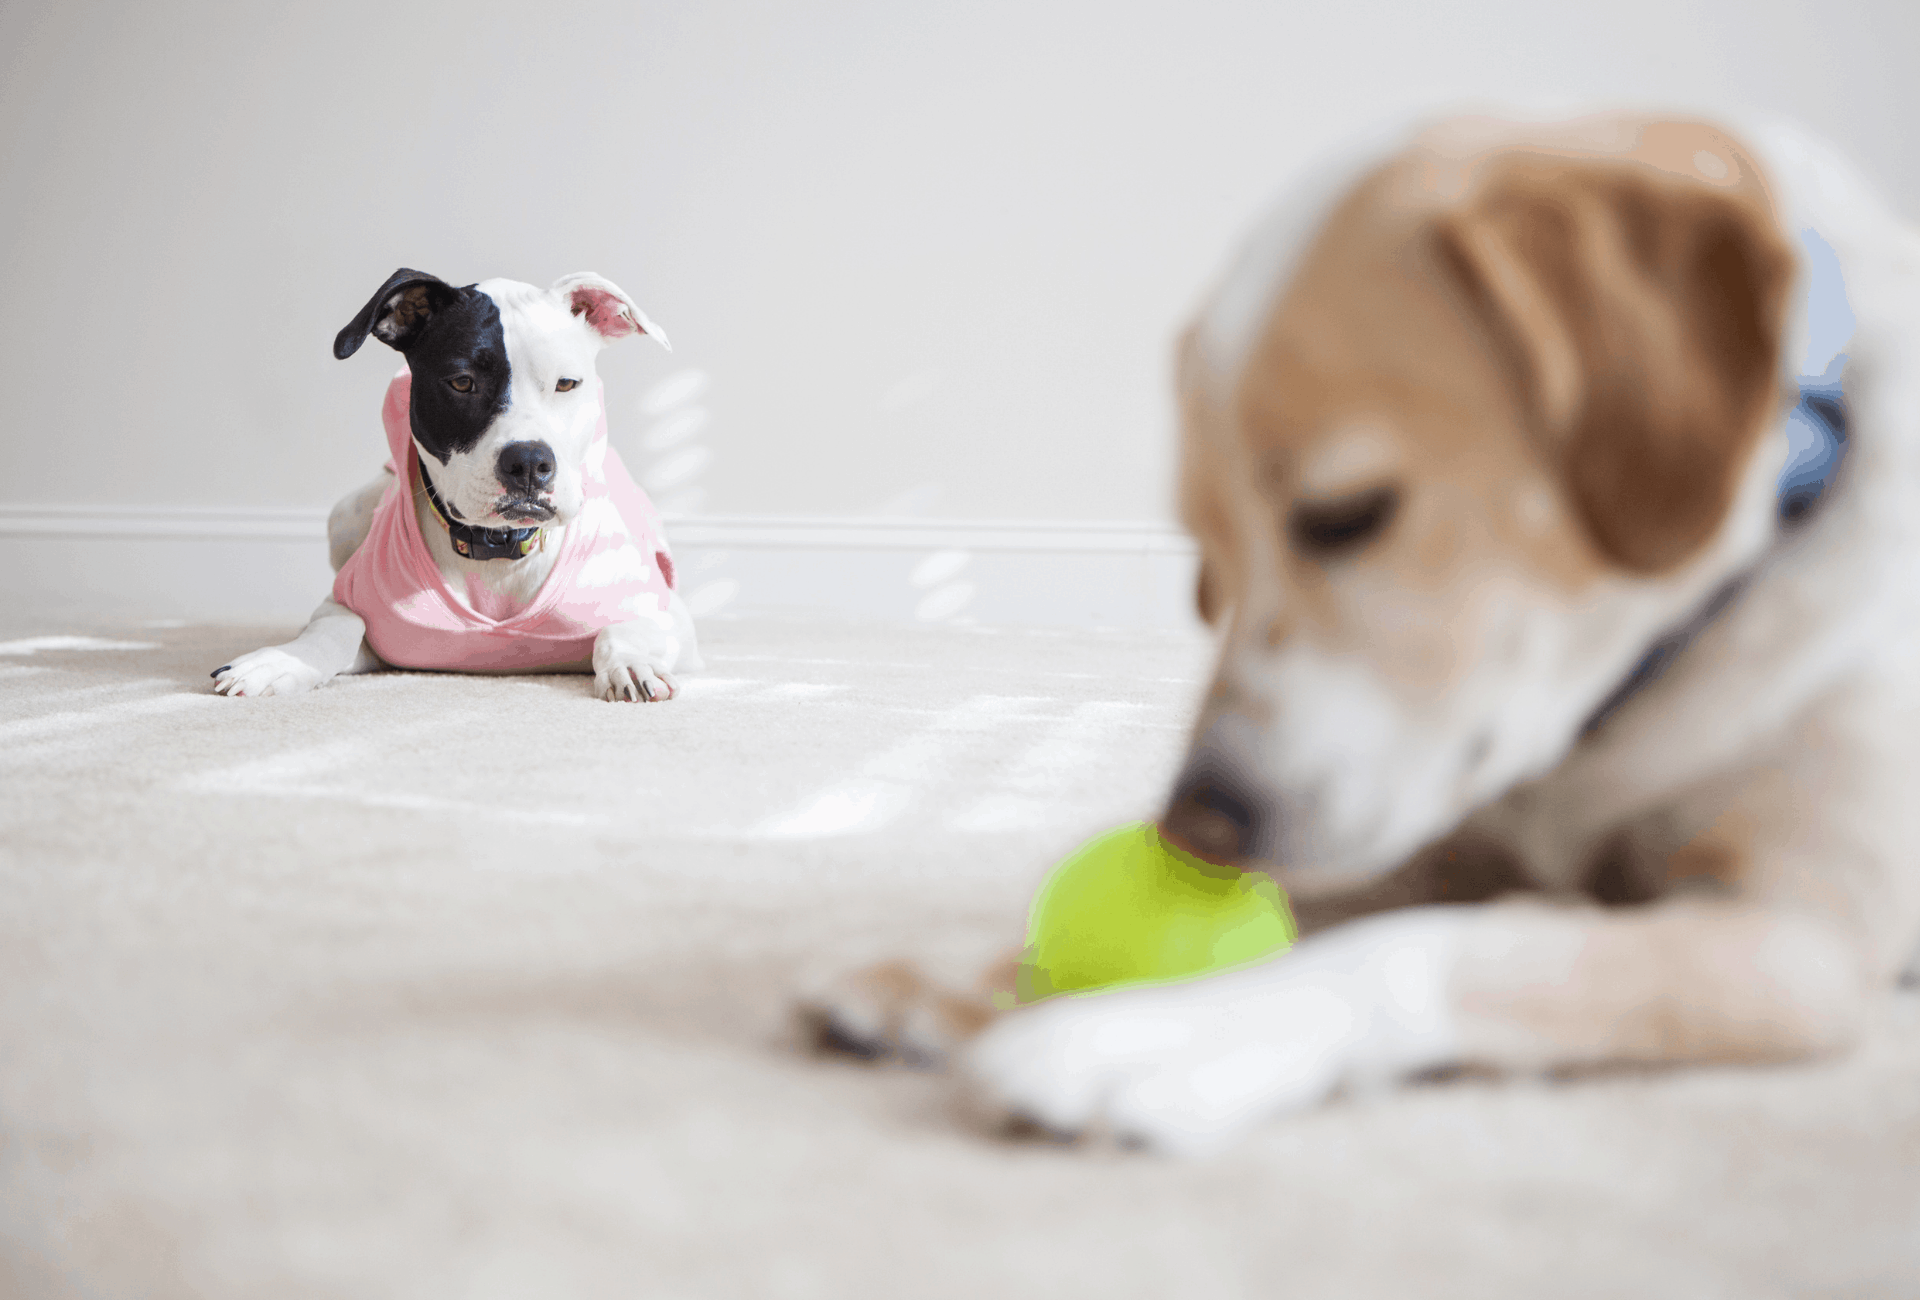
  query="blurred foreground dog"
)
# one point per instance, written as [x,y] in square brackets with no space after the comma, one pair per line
[1566,598]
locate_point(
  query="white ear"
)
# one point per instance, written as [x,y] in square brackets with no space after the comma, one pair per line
[606,307]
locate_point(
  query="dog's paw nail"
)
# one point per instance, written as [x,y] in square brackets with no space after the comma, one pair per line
[1018,1126]
[824,1035]
[221,669]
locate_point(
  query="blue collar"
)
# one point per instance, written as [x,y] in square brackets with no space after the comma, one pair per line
[1817,426]
[1816,444]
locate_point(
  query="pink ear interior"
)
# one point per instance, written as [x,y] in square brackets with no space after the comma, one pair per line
[606,312]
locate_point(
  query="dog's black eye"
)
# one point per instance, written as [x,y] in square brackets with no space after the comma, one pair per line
[1327,527]
[462,383]
[566,385]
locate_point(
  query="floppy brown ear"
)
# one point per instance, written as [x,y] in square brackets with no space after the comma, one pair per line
[1641,310]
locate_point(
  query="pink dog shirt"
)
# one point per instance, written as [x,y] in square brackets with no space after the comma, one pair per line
[613,567]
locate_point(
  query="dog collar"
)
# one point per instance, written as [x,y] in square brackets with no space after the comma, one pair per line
[1816,444]
[483,543]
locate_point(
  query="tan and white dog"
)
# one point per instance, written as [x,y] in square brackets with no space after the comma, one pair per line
[1571,745]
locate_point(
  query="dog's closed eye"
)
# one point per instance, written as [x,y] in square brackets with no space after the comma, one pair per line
[1326,528]
[566,385]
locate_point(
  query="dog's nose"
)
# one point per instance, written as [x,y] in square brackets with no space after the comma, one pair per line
[526,467]
[1209,818]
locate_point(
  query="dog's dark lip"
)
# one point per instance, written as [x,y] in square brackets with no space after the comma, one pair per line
[536,511]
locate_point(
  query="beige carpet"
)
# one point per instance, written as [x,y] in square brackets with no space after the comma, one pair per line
[429,986]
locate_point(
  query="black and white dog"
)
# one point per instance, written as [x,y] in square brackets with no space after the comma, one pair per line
[505,534]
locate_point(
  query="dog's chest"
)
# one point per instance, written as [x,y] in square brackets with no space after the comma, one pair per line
[493,589]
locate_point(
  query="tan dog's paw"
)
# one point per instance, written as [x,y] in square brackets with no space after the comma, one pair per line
[1180,1069]
[893,1011]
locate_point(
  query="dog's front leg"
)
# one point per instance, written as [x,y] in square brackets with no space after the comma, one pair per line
[1688,980]
[632,661]
[333,642]
[1791,903]
[1513,985]
[1184,1066]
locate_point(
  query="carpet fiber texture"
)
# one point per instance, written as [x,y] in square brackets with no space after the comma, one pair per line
[435,986]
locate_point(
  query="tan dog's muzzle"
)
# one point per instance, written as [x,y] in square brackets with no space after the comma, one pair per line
[1219,811]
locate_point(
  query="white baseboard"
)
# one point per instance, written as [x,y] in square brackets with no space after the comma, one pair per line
[229,564]
[191,523]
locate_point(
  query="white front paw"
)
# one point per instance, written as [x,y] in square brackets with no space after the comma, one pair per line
[272,671]
[628,677]
[1181,1068]
[630,663]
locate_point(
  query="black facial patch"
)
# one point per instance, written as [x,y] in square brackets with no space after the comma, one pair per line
[455,347]
[464,342]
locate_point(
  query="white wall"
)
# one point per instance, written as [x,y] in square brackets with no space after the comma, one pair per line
[930,255]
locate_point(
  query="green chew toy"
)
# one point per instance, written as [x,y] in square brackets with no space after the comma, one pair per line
[1129,908]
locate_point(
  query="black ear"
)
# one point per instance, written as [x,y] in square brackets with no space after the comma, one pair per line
[396,313]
